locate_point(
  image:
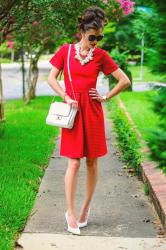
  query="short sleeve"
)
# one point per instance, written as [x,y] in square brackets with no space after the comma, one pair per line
[108,65]
[58,58]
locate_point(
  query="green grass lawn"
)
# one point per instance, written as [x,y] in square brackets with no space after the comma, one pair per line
[139,106]
[148,76]
[26,143]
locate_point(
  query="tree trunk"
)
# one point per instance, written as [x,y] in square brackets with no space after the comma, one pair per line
[32,78]
[2,118]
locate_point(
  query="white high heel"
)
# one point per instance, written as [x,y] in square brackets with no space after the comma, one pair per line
[85,223]
[71,229]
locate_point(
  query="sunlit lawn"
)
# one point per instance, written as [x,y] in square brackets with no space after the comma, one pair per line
[148,76]
[139,106]
[26,143]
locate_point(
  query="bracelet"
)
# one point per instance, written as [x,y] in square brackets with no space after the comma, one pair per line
[105,98]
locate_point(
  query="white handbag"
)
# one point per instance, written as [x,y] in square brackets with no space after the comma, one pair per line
[62,114]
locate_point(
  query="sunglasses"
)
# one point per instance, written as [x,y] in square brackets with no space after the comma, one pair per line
[92,38]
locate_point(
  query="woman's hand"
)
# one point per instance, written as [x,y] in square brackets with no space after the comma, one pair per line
[95,95]
[74,104]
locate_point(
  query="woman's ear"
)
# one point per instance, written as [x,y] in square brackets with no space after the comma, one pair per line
[82,33]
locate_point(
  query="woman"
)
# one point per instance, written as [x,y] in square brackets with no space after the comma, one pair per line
[87,137]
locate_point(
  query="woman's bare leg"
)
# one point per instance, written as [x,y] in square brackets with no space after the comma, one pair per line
[91,180]
[70,188]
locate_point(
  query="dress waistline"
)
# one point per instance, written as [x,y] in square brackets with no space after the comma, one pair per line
[78,91]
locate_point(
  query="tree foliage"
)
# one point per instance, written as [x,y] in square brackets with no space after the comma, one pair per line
[157,140]
[157,55]
[13,14]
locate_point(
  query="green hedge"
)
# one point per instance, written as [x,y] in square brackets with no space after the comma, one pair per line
[127,139]
[157,140]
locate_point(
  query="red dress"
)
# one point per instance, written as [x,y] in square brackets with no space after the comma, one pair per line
[87,137]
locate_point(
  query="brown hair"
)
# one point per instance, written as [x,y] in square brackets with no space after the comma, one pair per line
[92,18]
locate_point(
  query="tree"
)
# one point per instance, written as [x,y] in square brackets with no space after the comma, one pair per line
[157,55]
[157,138]
[12,17]
[44,27]
[155,35]
[40,22]
[47,25]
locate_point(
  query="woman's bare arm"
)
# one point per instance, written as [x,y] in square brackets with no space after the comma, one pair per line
[53,82]
[123,82]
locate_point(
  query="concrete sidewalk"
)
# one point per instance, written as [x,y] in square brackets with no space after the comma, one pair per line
[122,217]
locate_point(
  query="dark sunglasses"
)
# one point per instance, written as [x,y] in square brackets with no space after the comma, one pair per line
[92,38]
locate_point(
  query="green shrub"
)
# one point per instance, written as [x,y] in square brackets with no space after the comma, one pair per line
[146,188]
[127,139]
[157,140]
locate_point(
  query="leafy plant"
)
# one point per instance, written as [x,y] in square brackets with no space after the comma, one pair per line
[127,139]
[157,140]
[146,188]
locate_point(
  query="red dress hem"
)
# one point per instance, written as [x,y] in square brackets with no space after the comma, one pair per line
[94,156]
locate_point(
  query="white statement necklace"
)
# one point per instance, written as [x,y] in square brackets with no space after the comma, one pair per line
[85,60]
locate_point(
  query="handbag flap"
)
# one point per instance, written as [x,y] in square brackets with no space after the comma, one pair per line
[60,108]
